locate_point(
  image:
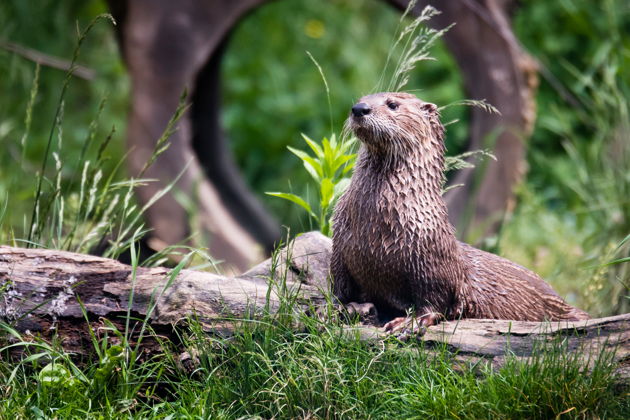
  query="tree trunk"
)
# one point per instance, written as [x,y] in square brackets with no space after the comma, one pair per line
[42,290]
[169,46]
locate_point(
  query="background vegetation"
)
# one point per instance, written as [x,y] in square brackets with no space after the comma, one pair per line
[573,210]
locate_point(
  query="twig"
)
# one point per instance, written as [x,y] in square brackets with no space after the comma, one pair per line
[48,60]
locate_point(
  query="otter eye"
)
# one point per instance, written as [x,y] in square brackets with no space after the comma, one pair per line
[392,105]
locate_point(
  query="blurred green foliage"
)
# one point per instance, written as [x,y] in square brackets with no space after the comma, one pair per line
[571,39]
[573,209]
[579,180]
[52,30]
[274,92]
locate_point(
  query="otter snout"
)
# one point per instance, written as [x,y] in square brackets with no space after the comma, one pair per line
[361,109]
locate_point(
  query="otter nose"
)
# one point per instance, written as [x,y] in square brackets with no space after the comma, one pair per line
[361,109]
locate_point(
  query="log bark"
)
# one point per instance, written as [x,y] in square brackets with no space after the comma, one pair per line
[496,341]
[41,290]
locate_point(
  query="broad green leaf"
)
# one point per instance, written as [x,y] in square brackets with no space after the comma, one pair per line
[299,153]
[294,198]
[54,374]
[312,171]
[328,158]
[313,145]
[343,148]
[327,190]
[340,160]
[314,163]
[333,141]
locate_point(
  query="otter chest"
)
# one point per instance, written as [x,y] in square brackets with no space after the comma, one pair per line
[384,233]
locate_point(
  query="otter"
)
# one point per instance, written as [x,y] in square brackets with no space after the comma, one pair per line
[393,244]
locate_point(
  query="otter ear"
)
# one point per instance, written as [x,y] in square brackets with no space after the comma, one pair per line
[428,107]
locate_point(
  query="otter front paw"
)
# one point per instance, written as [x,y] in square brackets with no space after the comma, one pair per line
[365,311]
[406,326]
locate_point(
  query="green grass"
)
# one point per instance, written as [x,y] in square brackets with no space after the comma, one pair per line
[270,369]
[77,205]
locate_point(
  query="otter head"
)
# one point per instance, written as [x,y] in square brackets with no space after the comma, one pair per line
[395,123]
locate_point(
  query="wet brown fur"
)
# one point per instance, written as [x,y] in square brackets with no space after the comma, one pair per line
[393,244]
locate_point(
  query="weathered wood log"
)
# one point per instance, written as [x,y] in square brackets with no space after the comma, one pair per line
[474,340]
[41,290]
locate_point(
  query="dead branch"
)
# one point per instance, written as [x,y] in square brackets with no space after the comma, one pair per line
[42,290]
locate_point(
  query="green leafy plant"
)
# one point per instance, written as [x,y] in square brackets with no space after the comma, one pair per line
[112,358]
[329,167]
[55,376]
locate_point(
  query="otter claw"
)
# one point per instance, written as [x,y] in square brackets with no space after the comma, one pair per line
[406,326]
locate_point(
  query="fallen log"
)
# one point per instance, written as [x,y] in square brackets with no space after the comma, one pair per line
[49,292]
[43,291]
